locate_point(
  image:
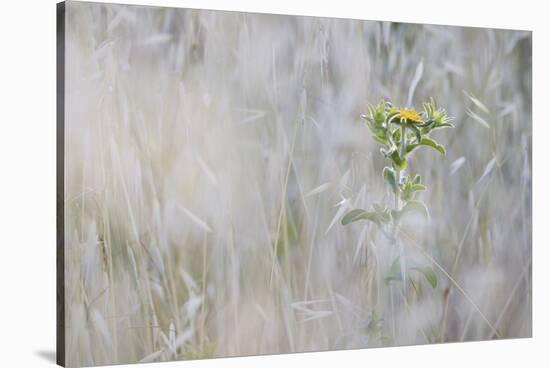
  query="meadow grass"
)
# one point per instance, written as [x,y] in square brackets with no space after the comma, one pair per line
[210,157]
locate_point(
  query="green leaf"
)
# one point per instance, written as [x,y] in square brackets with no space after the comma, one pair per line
[391,178]
[394,274]
[378,113]
[431,143]
[428,108]
[444,125]
[380,140]
[399,163]
[427,142]
[429,274]
[407,192]
[396,135]
[417,179]
[415,206]
[382,213]
[359,214]
[417,187]
[375,130]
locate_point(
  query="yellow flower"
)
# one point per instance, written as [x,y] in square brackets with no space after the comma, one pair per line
[410,115]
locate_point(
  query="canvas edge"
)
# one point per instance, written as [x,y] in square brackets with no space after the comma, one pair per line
[60,183]
[294,14]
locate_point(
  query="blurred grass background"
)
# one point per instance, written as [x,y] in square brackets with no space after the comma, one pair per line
[211,155]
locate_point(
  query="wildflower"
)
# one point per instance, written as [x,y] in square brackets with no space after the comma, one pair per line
[408,115]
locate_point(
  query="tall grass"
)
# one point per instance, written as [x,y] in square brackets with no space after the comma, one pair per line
[210,157]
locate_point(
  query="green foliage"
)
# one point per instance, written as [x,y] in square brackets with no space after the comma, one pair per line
[425,141]
[401,132]
[391,178]
[358,214]
[411,206]
[394,273]
[379,215]
[409,188]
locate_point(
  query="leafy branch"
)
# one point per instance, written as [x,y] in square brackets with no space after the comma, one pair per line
[401,132]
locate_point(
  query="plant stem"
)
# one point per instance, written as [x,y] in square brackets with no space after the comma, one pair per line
[403,142]
[403,147]
[402,150]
